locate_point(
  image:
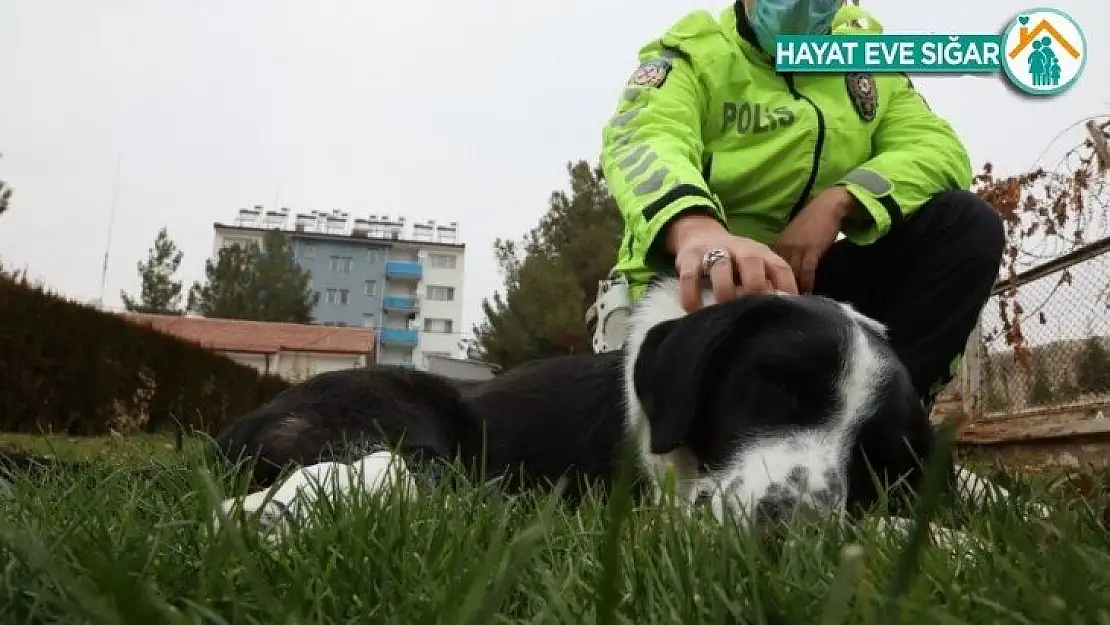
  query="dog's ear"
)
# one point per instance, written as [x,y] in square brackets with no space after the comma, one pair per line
[674,370]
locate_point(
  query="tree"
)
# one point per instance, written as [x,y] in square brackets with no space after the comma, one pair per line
[994,398]
[1040,389]
[551,276]
[1092,367]
[469,348]
[1043,209]
[5,198]
[259,283]
[1068,390]
[160,293]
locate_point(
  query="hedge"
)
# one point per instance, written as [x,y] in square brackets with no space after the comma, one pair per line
[69,368]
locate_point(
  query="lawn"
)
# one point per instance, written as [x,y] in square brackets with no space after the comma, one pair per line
[105,545]
[115,448]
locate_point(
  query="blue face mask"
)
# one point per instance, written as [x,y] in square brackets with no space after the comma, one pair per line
[770,18]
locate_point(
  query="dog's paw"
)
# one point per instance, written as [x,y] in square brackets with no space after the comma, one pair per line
[289,505]
[956,542]
[249,505]
[977,491]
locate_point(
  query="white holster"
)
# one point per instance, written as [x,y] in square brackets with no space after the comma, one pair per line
[610,313]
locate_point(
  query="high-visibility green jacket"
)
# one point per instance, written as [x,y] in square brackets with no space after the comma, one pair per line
[725,134]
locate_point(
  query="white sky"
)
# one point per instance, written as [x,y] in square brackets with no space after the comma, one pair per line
[462,111]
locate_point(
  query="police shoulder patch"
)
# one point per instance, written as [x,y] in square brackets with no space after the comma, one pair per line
[864,94]
[651,73]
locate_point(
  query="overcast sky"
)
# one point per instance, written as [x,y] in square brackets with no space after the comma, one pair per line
[457,111]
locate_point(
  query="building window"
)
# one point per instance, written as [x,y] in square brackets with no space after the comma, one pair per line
[376,231]
[448,236]
[375,257]
[438,326]
[341,264]
[243,242]
[371,288]
[441,293]
[338,297]
[441,261]
[309,252]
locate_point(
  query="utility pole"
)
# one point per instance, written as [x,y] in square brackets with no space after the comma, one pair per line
[111,222]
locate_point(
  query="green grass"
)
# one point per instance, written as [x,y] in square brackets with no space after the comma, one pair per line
[104,546]
[116,448]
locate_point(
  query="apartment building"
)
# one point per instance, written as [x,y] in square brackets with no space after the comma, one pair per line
[403,279]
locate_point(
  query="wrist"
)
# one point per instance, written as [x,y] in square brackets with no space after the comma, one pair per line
[688,225]
[847,208]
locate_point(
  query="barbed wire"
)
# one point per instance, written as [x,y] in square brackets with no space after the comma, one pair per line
[1049,212]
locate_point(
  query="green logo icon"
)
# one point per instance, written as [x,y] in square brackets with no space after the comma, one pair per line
[1043,51]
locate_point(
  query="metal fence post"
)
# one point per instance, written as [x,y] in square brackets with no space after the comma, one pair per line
[971,375]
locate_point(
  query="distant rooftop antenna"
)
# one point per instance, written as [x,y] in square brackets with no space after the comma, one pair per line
[111,222]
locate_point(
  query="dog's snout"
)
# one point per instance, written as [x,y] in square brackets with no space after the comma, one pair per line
[801,493]
[836,486]
[830,493]
[805,488]
[777,503]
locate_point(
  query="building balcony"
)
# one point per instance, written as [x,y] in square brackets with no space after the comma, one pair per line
[400,303]
[399,338]
[404,270]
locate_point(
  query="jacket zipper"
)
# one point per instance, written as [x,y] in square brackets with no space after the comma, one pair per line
[800,204]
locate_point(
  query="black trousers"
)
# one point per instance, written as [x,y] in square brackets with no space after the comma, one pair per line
[927,279]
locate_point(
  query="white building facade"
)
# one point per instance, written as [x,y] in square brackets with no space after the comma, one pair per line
[403,279]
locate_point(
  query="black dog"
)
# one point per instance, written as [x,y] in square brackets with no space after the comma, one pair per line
[764,404]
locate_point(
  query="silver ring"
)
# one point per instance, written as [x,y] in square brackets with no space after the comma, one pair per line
[712,257]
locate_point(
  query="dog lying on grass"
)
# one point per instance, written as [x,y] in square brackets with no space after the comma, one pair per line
[764,407]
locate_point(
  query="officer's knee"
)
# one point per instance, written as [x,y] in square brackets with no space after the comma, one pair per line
[977,225]
[611,310]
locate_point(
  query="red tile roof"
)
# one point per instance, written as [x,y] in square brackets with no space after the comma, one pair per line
[260,337]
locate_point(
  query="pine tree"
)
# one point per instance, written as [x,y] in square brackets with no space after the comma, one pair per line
[225,293]
[1040,390]
[159,293]
[280,286]
[551,276]
[258,283]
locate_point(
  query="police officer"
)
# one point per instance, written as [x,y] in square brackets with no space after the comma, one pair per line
[730,172]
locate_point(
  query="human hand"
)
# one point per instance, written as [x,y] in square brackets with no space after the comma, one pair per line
[696,239]
[812,233]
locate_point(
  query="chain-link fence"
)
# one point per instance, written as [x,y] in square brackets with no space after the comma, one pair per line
[1060,315]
